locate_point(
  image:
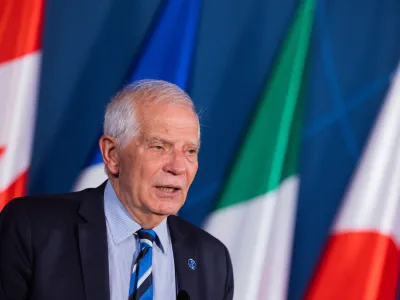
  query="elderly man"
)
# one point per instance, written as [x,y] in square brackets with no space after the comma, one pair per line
[122,239]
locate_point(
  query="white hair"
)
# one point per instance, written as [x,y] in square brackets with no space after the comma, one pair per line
[120,119]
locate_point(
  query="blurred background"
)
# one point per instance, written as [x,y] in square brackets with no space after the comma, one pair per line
[299,104]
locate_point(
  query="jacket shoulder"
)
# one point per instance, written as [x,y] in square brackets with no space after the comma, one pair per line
[47,207]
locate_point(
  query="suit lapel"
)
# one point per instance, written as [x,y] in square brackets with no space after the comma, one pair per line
[93,246]
[185,258]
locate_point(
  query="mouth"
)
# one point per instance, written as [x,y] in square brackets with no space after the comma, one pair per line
[170,189]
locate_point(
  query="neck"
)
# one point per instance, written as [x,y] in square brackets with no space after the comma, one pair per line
[145,218]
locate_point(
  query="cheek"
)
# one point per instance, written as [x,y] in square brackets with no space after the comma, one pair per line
[126,167]
[192,170]
[132,170]
[150,168]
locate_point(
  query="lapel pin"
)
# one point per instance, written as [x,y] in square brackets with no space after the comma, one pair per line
[192,263]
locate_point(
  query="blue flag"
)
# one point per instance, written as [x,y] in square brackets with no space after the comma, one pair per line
[166,56]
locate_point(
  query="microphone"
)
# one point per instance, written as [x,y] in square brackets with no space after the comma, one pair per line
[183,295]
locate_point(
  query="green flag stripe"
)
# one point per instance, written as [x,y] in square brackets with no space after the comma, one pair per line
[262,163]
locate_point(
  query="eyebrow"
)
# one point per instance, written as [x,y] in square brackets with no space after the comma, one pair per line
[162,140]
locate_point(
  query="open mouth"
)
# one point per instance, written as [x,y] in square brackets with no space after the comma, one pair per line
[168,189]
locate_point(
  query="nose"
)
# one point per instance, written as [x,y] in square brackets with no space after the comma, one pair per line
[176,164]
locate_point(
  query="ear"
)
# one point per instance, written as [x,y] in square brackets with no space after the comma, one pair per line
[109,150]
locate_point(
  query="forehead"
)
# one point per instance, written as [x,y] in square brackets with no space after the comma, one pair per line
[165,119]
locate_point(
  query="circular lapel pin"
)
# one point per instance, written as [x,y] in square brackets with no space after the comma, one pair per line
[192,264]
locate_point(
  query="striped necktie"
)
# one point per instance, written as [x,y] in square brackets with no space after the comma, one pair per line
[141,283]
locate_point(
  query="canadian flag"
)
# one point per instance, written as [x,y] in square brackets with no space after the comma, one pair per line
[362,257]
[20,40]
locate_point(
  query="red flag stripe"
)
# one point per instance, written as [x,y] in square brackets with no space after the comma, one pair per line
[20,34]
[16,189]
[17,40]
[357,265]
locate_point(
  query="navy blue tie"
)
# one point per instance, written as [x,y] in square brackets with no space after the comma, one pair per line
[141,283]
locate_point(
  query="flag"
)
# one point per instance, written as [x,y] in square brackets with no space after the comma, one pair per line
[167,56]
[20,55]
[255,215]
[362,255]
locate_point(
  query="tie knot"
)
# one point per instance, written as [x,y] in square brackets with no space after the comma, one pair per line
[147,237]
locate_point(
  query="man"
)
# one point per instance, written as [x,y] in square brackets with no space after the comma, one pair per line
[121,240]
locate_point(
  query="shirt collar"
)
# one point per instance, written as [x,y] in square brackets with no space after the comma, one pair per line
[122,225]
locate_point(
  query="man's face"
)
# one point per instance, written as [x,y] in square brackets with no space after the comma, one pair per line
[158,166]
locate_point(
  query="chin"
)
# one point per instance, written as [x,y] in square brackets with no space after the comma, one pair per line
[167,207]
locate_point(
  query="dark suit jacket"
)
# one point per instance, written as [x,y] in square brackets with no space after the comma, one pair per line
[55,247]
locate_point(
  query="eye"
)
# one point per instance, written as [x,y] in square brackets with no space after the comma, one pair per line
[157,147]
[192,151]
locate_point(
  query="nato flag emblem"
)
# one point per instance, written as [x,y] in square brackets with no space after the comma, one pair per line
[192,264]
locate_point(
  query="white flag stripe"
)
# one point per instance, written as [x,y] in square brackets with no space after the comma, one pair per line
[269,219]
[90,177]
[19,80]
[275,280]
[373,199]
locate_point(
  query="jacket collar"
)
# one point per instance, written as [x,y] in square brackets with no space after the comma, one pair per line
[93,244]
[185,256]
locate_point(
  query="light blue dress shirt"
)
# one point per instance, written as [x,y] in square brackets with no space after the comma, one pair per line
[123,248]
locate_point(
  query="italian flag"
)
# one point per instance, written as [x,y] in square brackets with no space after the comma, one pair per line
[255,215]
[20,35]
[362,255]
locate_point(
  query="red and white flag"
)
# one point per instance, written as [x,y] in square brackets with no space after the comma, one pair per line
[362,257]
[20,55]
